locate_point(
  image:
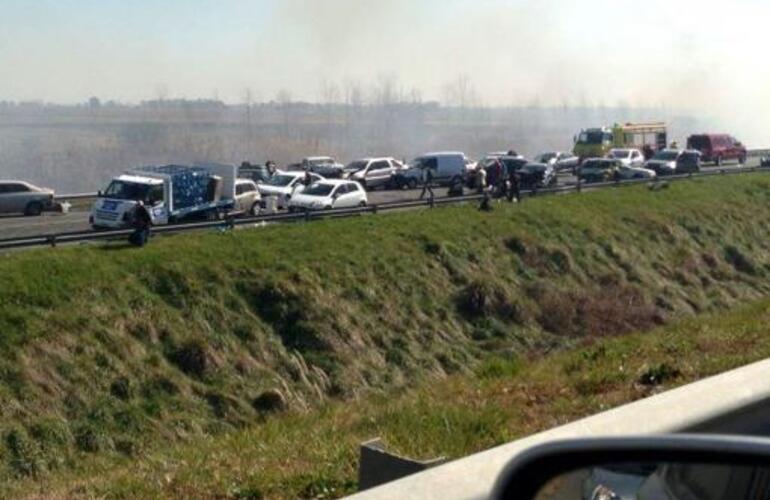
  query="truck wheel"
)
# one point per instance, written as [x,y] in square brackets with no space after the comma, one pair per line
[33,208]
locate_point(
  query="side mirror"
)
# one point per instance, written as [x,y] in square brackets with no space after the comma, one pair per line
[639,467]
[99,194]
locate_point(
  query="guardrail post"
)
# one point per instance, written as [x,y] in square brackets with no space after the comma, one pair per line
[577,189]
[52,240]
[431,202]
[374,209]
[230,222]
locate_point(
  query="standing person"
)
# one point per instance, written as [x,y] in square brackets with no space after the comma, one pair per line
[480,179]
[140,222]
[308,179]
[271,168]
[514,191]
[427,180]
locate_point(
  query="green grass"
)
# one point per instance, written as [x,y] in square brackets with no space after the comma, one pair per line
[315,453]
[110,353]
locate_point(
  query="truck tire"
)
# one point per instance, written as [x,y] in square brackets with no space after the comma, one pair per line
[33,208]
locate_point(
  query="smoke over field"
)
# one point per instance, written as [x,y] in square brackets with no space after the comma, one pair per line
[78,148]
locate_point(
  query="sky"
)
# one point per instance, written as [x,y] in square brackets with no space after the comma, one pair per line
[689,54]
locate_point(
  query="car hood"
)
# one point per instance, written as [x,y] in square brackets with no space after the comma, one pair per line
[310,201]
[660,163]
[265,189]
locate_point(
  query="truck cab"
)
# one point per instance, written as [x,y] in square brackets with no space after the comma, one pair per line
[114,206]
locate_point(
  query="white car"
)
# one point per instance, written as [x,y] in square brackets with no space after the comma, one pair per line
[627,156]
[23,197]
[626,172]
[247,197]
[328,194]
[284,185]
[372,173]
[559,160]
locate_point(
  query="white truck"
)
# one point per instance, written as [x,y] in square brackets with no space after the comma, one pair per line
[168,193]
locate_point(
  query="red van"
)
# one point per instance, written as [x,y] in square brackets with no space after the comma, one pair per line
[717,148]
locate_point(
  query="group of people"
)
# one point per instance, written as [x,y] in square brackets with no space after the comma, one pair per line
[498,180]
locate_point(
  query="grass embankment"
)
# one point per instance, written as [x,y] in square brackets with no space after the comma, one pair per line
[116,352]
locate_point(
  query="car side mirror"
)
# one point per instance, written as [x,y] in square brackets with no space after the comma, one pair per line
[638,467]
[99,194]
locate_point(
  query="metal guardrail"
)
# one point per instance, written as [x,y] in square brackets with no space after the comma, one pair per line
[230,222]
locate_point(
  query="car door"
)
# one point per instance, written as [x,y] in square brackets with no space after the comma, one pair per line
[636,159]
[16,197]
[379,174]
[339,196]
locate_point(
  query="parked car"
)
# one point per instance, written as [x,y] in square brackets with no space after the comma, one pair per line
[24,198]
[448,169]
[560,160]
[625,172]
[629,157]
[284,185]
[664,161]
[328,194]
[689,162]
[537,176]
[598,169]
[247,197]
[372,173]
[257,173]
[717,148]
[325,166]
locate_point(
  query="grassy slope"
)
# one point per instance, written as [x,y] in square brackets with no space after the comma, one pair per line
[110,351]
[315,454]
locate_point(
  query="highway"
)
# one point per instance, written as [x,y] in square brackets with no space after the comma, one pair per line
[77,219]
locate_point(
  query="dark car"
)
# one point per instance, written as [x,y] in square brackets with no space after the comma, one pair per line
[537,176]
[717,148]
[598,169]
[257,173]
[689,162]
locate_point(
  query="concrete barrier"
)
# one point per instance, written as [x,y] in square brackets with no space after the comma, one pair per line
[737,401]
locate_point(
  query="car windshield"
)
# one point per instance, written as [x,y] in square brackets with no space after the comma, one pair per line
[666,155]
[699,142]
[280,180]
[545,157]
[122,190]
[317,162]
[593,137]
[620,153]
[319,190]
[356,166]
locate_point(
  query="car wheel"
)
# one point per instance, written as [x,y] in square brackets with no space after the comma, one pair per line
[742,160]
[718,161]
[362,204]
[33,208]
[412,184]
[256,208]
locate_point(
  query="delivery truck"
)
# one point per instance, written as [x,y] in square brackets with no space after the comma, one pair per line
[168,194]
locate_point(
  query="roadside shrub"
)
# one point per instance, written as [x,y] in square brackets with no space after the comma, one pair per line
[739,261]
[657,374]
[121,388]
[482,298]
[498,367]
[270,401]
[191,357]
[91,439]
[24,454]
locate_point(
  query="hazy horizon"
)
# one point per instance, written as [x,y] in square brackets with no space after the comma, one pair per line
[698,56]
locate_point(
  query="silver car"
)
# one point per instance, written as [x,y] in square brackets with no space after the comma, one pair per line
[23,197]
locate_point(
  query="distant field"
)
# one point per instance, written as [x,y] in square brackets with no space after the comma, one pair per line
[195,364]
[76,149]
